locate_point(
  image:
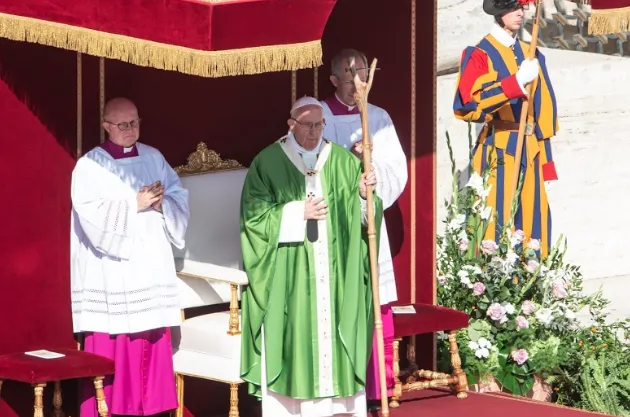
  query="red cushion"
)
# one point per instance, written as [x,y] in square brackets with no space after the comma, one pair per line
[428,319]
[32,370]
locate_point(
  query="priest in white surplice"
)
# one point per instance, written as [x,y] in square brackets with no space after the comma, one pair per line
[129,207]
[343,126]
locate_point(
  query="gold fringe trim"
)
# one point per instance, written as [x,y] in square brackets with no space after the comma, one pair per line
[609,21]
[145,53]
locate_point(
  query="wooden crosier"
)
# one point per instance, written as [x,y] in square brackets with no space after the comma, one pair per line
[361,98]
[525,111]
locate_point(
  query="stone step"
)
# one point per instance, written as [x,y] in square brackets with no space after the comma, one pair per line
[564,25]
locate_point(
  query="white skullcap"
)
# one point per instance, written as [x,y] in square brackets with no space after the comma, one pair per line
[305,101]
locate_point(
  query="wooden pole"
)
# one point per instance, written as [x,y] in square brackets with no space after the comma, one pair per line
[524,111]
[361,98]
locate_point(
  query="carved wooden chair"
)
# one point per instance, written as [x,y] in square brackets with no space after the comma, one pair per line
[210,270]
[425,319]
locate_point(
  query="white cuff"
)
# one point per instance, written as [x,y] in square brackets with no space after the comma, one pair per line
[293,225]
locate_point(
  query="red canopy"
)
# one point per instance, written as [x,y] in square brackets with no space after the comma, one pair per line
[608,16]
[209,38]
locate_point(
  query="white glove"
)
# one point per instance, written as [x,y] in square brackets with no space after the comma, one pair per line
[548,185]
[527,72]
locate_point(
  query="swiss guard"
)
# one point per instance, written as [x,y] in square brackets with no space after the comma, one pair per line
[491,89]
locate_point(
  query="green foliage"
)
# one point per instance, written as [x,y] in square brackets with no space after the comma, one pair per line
[605,384]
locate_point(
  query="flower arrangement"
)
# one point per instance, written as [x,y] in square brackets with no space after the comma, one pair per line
[523,309]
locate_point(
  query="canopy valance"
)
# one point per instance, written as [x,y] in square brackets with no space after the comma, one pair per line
[209,38]
[608,16]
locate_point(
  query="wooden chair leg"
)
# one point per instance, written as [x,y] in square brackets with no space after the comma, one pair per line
[57,401]
[179,382]
[101,404]
[397,393]
[1,386]
[38,405]
[462,381]
[233,400]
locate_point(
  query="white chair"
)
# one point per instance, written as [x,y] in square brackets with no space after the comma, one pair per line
[211,273]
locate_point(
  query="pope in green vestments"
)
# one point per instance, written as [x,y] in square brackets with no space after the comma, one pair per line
[307,312]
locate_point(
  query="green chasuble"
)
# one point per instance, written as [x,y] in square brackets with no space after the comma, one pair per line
[314,299]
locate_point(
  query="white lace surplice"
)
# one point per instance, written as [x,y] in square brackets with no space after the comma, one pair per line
[122,270]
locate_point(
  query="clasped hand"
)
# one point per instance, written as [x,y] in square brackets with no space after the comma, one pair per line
[315,208]
[151,196]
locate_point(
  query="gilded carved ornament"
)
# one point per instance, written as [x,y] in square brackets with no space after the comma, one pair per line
[204,160]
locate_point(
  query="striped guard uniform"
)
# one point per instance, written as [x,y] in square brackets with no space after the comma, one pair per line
[489,93]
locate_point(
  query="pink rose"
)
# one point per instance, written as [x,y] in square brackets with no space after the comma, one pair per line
[519,235]
[520,356]
[532,266]
[528,307]
[497,312]
[489,247]
[478,288]
[558,290]
[521,323]
[463,245]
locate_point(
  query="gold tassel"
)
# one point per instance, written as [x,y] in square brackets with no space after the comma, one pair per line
[145,53]
[609,21]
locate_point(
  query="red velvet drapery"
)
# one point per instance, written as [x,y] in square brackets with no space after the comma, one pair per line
[192,24]
[206,38]
[609,4]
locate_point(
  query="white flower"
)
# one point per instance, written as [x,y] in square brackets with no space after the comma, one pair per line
[534,244]
[457,222]
[569,314]
[486,213]
[484,343]
[482,353]
[545,316]
[464,279]
[473,345]
[511,258]
[476,183]
[509,308]
[473,269]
